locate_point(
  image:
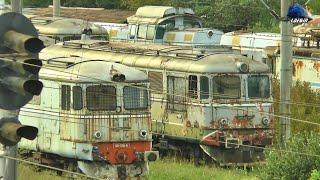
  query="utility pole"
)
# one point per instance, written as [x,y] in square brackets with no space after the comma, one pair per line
[8,170]
[285,71]
[56,8]
[16,6]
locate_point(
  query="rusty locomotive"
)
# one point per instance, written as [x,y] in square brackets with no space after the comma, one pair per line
[216,105]
[92,116]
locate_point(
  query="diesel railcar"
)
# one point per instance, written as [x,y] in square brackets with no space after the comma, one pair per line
[92,115]
[217,102]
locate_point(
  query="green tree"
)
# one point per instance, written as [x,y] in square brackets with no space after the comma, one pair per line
[313,6]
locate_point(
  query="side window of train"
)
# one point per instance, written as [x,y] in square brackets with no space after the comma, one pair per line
[77,98]
[160,32]
[204,87]
[65,97]
[176,93]
[133,31]
[150,32]
[142,31]
[156,82]
[193,86]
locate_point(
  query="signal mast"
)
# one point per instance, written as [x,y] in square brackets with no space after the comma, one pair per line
[19,68]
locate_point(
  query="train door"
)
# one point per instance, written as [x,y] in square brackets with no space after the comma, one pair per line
[157,98]
[65,107]
[176,105]
[77,112]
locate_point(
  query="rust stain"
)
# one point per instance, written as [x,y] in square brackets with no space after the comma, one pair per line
[298,64]
[316,66]
[297,69]
[240,122]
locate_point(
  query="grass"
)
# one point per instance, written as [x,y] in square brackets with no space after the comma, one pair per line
[175,170]
[163,169]
[26,172]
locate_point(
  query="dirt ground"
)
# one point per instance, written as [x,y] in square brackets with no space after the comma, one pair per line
[106,15]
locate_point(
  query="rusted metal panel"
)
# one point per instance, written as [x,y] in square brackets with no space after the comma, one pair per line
[304,69]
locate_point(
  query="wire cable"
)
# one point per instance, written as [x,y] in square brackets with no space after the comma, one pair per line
[49,167]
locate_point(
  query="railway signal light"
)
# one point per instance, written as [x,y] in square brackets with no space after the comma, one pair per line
[19,68]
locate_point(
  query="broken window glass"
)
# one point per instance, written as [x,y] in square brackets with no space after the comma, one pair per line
[226,87]
[176,93]
[193,87]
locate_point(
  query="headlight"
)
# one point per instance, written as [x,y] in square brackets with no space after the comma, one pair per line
[143,133]
[243,67]
[265,121]
[223,121]
[97,135]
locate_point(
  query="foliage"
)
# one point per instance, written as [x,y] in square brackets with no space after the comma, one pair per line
[304,105]
[288,165]
[74,3]
[225,15]
[92,3]
[313,6]
[315,175]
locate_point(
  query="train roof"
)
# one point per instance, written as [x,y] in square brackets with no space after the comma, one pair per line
[79,70]
[65,26]
[157,14]
[161,11]
[171,58]
[298,52]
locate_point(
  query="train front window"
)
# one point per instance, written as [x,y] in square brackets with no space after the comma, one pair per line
[258,86]
[193,87]
[226,87]
[135,98]
[65,97]
[101,97]
[204,87]
[77,97]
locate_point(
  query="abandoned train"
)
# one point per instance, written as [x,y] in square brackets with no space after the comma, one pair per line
[92,115]
[217,102]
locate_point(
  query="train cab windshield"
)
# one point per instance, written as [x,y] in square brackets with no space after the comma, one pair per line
[226,87]
[105,97]
[258,86]
[101,97]
[230,86]
[135,97]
